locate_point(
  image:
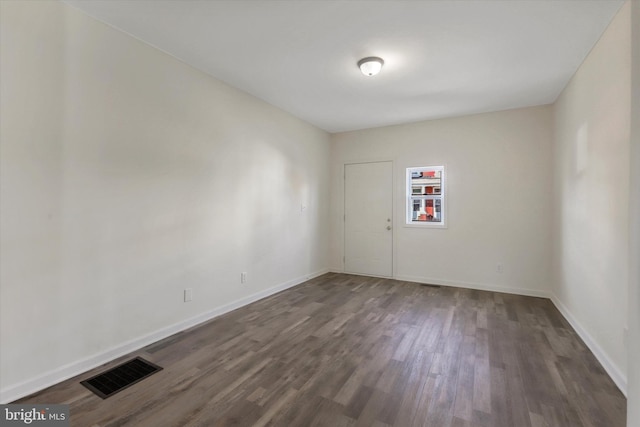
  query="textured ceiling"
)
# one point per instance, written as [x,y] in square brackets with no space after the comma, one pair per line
[442,58]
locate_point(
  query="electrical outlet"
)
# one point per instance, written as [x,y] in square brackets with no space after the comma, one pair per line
[188,295]
[243,277]
[499,268]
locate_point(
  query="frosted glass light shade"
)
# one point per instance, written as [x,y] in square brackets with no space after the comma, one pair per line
[370,66]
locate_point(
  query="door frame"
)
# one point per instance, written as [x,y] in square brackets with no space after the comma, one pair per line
[394,224]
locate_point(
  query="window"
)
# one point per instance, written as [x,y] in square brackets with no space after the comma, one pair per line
[426,196]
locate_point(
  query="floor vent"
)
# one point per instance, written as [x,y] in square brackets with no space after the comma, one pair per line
[117,379]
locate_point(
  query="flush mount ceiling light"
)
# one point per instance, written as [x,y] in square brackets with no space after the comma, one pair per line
[371,65]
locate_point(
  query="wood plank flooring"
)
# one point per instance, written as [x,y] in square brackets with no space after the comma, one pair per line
[343,350]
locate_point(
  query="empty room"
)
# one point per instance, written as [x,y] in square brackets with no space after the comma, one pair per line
[320,213]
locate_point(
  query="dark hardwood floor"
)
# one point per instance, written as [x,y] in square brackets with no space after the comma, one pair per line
[343,350]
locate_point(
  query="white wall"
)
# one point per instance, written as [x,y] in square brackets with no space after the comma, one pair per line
[633,342]
[591,182]
[128,176]
[498,182]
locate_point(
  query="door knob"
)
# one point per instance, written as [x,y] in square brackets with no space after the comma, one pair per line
[388,227]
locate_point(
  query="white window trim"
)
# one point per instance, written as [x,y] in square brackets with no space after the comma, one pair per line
[408,205]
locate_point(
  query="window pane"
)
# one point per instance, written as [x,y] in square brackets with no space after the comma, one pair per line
[429,210]
[426,182]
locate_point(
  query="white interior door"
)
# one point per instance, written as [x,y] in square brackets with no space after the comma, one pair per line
[368,223]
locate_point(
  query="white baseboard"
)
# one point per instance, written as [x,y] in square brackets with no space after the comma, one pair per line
[73,369]
[479,286]
[459,284]
[614,372]
[17,391]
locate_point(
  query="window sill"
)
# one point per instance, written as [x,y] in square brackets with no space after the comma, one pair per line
[426,225]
